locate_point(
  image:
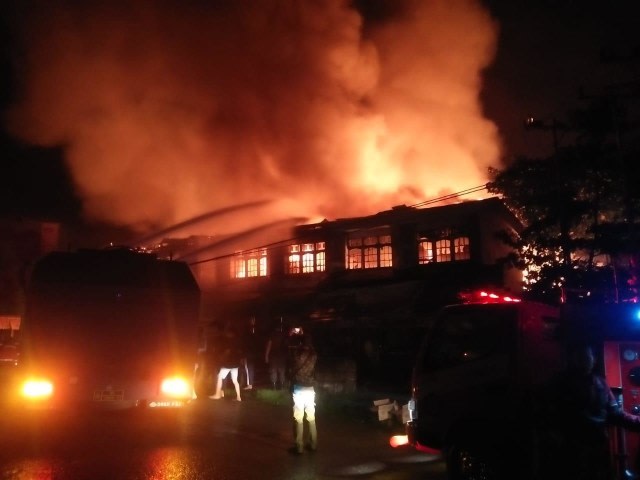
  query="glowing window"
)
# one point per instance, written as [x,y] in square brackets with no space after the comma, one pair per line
[307,263]
[354,259]
[371,258]
[249,264]
[367,250]
[443,250]
[425,251]
[443,247]
[311,260]
[238,268]
[252,267]
[294,263]
[386,256]
[461,248]
[263,266]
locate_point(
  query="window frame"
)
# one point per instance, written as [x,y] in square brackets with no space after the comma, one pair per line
[249,264]
[443,247]
[369,249]
[306,257]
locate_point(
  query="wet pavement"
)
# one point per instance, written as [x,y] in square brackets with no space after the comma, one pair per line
[210,439]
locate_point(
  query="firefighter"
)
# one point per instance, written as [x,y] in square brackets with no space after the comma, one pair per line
[576,408]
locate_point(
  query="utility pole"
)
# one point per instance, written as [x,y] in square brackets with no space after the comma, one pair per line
[554,126]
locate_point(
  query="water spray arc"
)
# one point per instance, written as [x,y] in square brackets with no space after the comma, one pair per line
[159,235]
[229,241]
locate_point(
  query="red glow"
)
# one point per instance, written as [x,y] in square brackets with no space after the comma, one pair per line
[425,449]
[488,297]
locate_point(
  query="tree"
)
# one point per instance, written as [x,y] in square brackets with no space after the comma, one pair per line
[580,213]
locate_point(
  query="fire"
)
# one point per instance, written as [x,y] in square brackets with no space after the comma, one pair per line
[170,112]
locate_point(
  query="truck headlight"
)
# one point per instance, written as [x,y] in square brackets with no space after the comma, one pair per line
[37,389]
[176,387]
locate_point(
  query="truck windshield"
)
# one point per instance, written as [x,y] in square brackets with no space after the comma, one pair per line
[468,333]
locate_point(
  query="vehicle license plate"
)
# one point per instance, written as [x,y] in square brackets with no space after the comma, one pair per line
[108,395]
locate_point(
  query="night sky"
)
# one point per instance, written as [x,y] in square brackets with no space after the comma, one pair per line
[549,51]
[539,56]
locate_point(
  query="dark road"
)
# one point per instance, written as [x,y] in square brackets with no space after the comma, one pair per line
[216,440]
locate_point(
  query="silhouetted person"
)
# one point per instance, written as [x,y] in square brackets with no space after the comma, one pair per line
[230,361]
[252,351]
[576,407]
[276,357]
[303,364]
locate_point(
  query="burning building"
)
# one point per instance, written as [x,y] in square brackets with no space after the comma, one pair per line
[378,269]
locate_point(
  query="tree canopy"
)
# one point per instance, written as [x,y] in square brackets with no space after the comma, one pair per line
[580,209]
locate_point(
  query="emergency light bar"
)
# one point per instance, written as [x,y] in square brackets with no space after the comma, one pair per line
[485,296]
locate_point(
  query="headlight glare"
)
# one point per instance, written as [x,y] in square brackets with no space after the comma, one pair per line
[175,387]
[37,388]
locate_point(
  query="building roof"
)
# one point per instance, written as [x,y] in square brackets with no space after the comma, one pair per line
[444,215]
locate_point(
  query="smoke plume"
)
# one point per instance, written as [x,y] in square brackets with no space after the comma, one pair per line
[170,109]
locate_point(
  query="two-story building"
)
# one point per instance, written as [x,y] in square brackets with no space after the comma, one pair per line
[378,268]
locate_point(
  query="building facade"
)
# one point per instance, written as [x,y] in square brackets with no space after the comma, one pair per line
[382,268]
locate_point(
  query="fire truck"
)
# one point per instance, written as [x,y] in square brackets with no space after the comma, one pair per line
[108,329]
[480,362]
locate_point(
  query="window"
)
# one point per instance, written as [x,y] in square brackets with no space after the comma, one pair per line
[443,247]
[369,250]
[425,251]
[249,264]
[443,250]
[354,254]
[306,258]
[461,248]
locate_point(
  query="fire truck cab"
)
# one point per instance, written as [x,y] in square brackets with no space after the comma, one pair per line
[475,372]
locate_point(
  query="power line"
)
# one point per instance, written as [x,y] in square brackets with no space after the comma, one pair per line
[449,196]
[227,255]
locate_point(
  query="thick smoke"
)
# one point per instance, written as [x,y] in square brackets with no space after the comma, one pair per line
[169,109]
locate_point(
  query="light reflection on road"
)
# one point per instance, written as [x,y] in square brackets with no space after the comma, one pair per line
[170,463]
[183,463]
[213,442]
